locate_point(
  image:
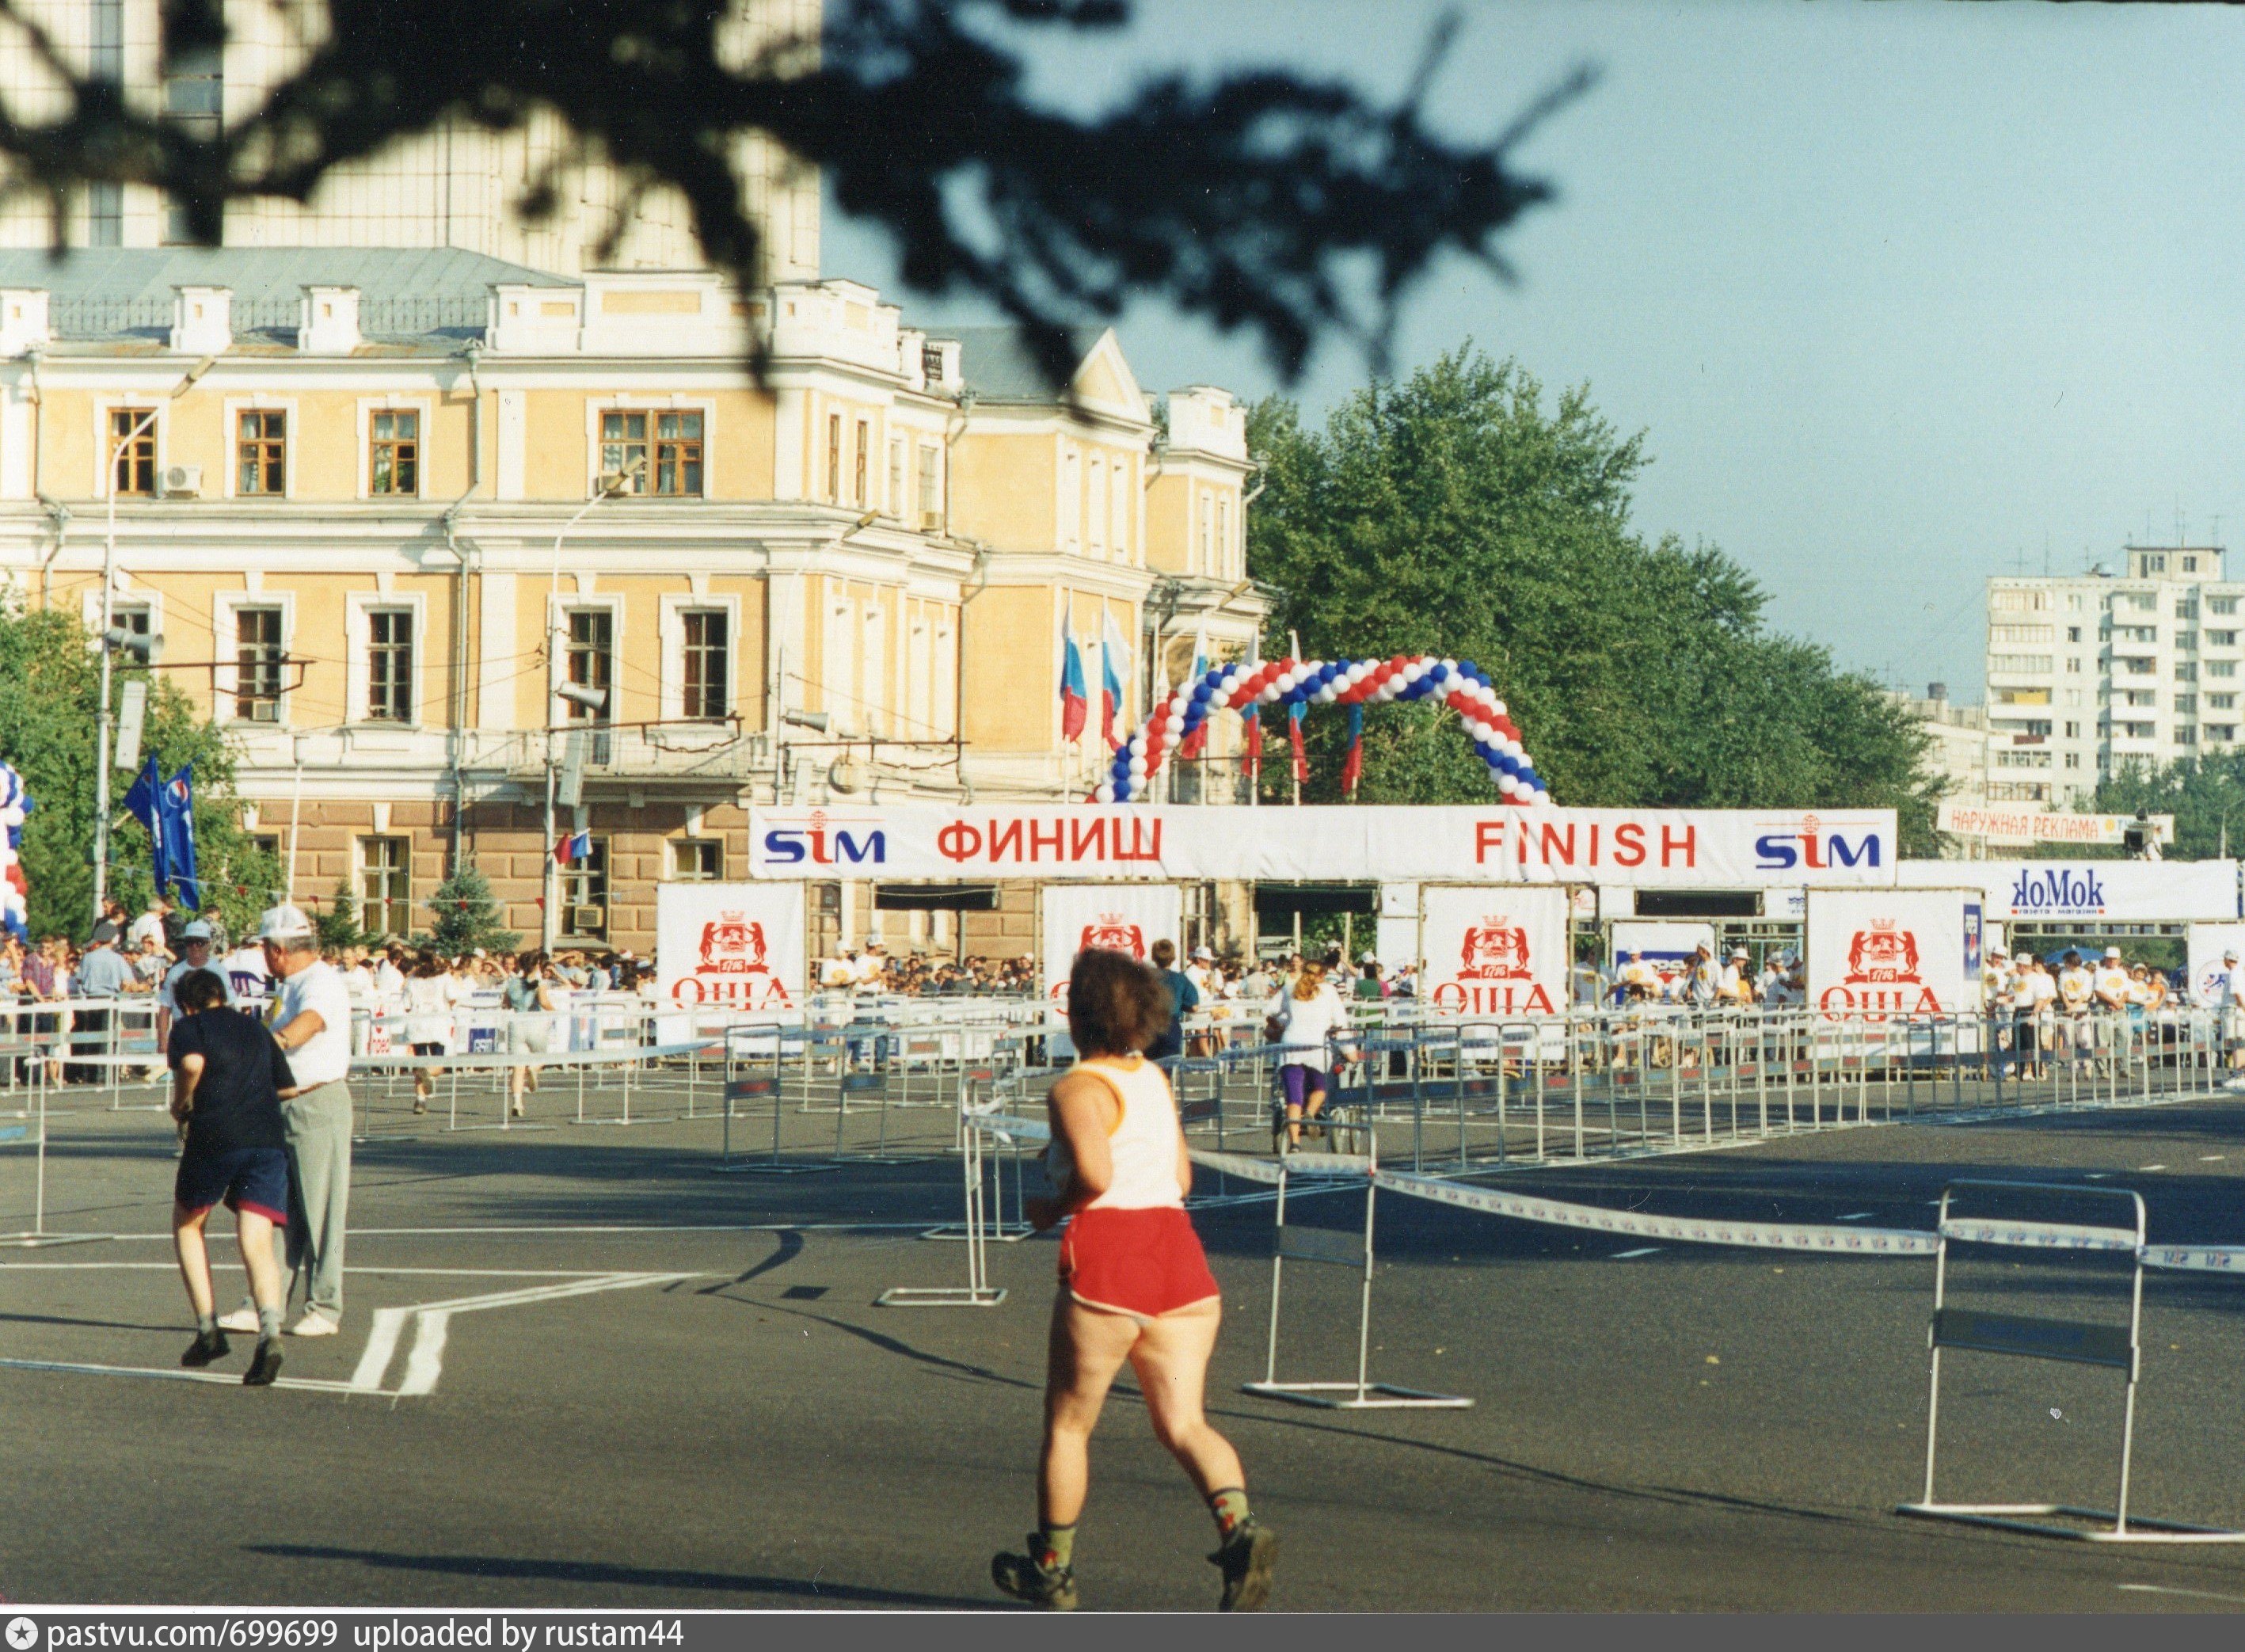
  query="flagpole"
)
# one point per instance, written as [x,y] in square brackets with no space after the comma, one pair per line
[1294,764]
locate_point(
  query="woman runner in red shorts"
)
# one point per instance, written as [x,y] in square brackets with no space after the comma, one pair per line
[1133,1286]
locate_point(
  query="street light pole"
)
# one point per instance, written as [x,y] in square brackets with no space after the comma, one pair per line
[103,719]
[608,488]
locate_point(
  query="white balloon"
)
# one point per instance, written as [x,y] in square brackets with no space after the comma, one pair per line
[1105,794]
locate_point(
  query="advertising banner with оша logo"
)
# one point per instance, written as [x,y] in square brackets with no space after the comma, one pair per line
[1119,917]
[729,946]
[1497,953]
[1675,848]
[1881,953]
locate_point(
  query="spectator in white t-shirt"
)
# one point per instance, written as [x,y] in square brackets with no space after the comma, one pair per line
[312,1023]
[1302,1019]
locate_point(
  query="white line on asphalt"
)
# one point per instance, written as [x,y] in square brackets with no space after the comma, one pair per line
[2161,1588]
[2144,1167]
[2212,1159]
[1858,1215]
[1623,1255]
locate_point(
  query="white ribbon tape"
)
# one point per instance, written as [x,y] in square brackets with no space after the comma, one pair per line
[1842,1242]
[1980,1230]
[2208,1259]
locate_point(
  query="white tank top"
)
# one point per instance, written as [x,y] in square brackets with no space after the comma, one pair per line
[1143,1144]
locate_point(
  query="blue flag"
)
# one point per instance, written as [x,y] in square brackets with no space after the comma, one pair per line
[144,803]
[176,813]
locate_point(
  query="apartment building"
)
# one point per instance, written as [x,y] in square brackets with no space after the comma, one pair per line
[2094,673]
[381,508]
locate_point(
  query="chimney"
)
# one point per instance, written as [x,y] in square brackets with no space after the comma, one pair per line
[202,320]
[23,319]
[328,323]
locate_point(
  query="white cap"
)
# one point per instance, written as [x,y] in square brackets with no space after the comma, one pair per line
[2112,952]
[1202,952]
[283,923]
[2229,957]
[196,931]
[1367,958]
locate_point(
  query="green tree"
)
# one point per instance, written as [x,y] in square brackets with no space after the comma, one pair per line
[467,917]
[2204,794]
[1456,514]
[49,701]
[336,925]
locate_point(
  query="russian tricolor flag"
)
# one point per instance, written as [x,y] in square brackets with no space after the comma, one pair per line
[1114,662]
[577,846]
[1351,766]
[1073,703]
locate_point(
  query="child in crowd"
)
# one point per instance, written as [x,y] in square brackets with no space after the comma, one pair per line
[228,1078]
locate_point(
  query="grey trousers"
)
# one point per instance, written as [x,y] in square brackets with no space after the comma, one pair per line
[318,1123]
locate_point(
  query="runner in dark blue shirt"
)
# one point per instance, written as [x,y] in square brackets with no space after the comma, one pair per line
[227,1078]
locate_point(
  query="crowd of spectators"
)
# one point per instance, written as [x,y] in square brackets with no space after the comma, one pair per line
[63,992]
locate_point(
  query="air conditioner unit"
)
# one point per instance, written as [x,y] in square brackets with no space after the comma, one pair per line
[588,920]
[182,482]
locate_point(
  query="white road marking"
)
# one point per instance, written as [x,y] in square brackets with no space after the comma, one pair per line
[1858,1215]
[2145,1167]
[1623,1255]
[424,1365]
[2212,1159]
[2161,1588]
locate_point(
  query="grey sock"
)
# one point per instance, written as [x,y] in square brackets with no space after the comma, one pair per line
[268,1323]
[206,1324]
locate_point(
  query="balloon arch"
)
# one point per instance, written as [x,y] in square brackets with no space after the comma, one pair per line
[1456,683]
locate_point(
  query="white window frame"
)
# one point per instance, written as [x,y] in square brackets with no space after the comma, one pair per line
[226,675]
[368,407]
[671,623]
[358,655]
[104,474]
[292,442]
[359,840]
[558,610]
[90,608]
[707,406]
[670,856]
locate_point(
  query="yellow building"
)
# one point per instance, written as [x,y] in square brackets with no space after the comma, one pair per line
[383,506]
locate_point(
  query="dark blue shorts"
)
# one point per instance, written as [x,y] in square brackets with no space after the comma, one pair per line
[252,1179]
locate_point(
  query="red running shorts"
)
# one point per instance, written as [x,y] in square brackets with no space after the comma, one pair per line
[1144,1263]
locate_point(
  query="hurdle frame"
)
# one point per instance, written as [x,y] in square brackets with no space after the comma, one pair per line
[1327,1247]
[978,1291]
[2072,1342]
[750,1086]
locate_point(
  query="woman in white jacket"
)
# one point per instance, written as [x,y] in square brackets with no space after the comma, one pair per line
[1301,1019]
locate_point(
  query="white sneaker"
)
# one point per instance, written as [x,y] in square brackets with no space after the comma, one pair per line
[314,1324]
[243,1318]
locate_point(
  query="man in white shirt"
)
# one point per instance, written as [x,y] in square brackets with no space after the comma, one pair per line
[312,1023]
[1637,974]
[149,926]
[2227,994]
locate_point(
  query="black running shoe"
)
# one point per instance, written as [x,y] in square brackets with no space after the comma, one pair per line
[1246,1560]
[265,1365]
[206,1347]
[1028,1578]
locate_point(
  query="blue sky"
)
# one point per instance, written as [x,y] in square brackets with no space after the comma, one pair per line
[1902,296]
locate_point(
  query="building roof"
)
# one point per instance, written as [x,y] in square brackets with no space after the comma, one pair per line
[999,364]
[406,293]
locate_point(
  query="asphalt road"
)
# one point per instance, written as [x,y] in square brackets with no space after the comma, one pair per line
[720,1416]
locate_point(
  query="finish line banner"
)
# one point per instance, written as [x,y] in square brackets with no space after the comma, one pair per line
[1675,848]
